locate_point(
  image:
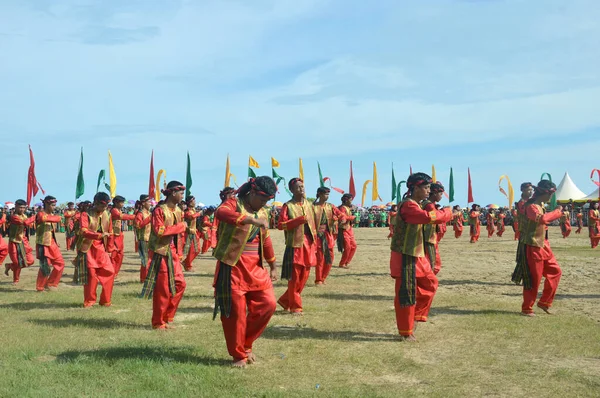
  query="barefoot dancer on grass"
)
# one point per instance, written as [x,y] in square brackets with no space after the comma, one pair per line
[243,286]
[416,283]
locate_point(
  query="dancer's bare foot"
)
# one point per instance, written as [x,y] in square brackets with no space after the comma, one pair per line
[410,338]
[298,313]
[251,358]
[239,364]
[545,309]
[529,314]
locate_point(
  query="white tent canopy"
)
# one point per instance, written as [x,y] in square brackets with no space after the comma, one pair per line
[567,190]
[593,195]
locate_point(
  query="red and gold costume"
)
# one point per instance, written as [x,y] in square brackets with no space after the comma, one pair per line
[20,252]
[326,218]
[416,283]
[165,281]
[142,230]
[3,244]
[475,225]
[391,222]
[594,227]
[457,224]
[70,228]
[191,248]
[48,251]
[347,235]
[515,223]
[430,239]
[441,231]
[539,259]
[491,219]
[243,289]
[565,224]
[579,223]
[500,226]
[116,256]
[205,233]
[93,263]
[521,220]
[297,220]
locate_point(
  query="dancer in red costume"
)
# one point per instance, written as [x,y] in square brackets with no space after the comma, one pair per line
[47,250]
[500,226]
[326,218]
[416,283]
[392,220]
[20,252]
[594,224]
[165,282]
[345,240]
[118,246]
[69,213]
[457,221]
[526,194]
[431,231]
[142,229]
[475,223]
[243,286]
[539,261]
[191,247]
[579,222]
[565,222]
[297,219]
[93,264]
[226,194]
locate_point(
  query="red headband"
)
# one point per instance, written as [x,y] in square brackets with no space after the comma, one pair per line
[168,191]
[257,190]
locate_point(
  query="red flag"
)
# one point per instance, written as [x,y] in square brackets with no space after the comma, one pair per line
[32,184]
[338,190]
[470,194]
[352,188]
[151,185]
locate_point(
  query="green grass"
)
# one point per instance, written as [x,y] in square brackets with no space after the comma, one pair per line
[475,343]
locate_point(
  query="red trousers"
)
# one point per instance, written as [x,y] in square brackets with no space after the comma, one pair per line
[349,247]
[69,242]
[117,256]
[490,231]
[14,258]
[500,231]
[427,285]
[541,262]
[475,232]
[192,254]
[206,243]
[106,277]
[249,316]
[566,230]
[458,233]
[55,259]
[164,304]
[322,269]
[292,300]
[438,259]
[594,239]
[517,235]
[3,250]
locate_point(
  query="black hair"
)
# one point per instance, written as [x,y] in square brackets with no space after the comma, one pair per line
[293,181]
[226,191]
[347,196]
[437,187]
[118,198]
[144,197]
[543,187]
[102,197]
[322,190]
[48,198]
[263,185]
[525,185]
[20,202]
[70,203]
[415,180]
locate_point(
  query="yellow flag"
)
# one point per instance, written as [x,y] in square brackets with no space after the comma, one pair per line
[252,162]
[375,195]
[301,170]
[364,192]
[274,163]
[511,191]
[112,176]
[161,173]
[433,177]
[227,174]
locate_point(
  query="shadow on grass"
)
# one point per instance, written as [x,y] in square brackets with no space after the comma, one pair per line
[292,333]
[346,275]
[349,296]
[92,323]
[195,310]
[39,306]
[450,282]
[11,289]
[574,296]
[461,311]
[145,353]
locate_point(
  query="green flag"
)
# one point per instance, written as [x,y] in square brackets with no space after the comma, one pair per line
[80,188]
[321,182]
[399,191]
[251,173]
[278,179]
[188,176]
[101,179]
[394,186]
[451,189]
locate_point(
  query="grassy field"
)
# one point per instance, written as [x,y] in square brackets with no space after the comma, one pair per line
[476,343]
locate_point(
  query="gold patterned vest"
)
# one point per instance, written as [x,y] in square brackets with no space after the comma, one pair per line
[347,211]
[96,223]
[295,237]
[143,234]
[161,244]
[117,224]
[17,232]
[324,213]
[44,233]
[429,230]
[233,238]
[191,224]
[407,238]
[534,232]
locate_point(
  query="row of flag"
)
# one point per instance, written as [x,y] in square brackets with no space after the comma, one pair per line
[33,186]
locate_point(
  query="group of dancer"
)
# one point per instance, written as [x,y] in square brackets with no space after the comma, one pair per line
[167,240]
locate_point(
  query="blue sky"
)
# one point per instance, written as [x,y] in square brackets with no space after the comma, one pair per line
[503,87]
